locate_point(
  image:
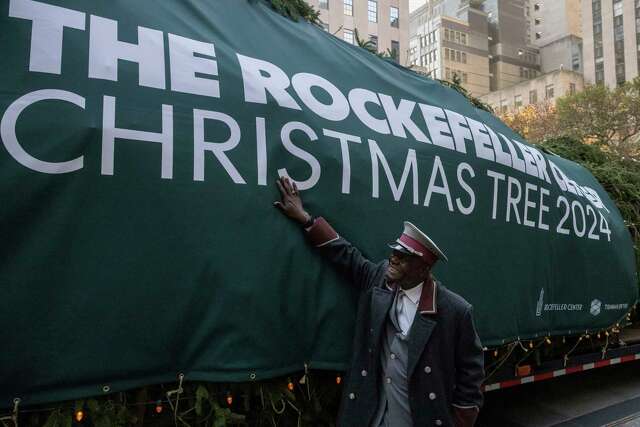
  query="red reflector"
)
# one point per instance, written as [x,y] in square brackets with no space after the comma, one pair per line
[523,371]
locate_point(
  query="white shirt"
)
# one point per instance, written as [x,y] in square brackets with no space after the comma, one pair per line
[407,305]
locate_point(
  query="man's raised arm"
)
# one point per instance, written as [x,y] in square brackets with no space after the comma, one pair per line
[339,251]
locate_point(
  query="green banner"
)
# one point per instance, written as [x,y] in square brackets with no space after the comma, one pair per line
[141,142]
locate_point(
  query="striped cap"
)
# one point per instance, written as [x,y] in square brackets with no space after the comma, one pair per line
[415,242]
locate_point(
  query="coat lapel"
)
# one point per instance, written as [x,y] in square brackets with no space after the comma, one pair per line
[423,324]
[382,299]
[418,338]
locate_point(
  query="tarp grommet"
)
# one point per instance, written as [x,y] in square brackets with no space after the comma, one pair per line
[106,389]
[252,376]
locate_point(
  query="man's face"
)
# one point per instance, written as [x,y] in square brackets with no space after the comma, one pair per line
[405,269]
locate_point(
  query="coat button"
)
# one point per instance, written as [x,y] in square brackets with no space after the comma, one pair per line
[438,422]
[427,369]
[352,396]
[393,356]
[432,396]
[388,380]
[363,373]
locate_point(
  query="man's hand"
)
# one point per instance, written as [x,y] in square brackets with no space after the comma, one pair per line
[291,203]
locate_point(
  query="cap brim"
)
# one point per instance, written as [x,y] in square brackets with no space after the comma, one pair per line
[398,247]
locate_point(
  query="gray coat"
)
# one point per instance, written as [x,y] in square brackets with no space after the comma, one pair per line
[445,363]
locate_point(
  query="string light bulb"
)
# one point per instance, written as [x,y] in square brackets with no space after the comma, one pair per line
[564,340]
[338,379]
[79,415]
[547,340]
[598,335]
[530,344]
[495,353]
[159,407]
[290,385]
[229,399]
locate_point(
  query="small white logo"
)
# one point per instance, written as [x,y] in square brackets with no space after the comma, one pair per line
[540,303]
[596,305]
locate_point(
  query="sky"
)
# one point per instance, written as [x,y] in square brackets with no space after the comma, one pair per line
[414,4]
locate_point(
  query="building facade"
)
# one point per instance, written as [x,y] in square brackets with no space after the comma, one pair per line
[449,39]
[384,22]
[556,30]
[546,88]
[512,57]
[611,46]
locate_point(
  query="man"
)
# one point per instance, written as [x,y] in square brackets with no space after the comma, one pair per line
[417,359]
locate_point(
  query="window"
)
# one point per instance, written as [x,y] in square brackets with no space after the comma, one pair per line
[618,45]
[597,48]
[374,40]
[372,10]
[533,96]
[446,53]
[347,35]
[575,64]
[464,58]
[617,8]
[458,59]
[599,71]
[395,50]
[620,73]
[536,6]
[394,16]
[453,74]
[618,32]
[538,35]
[548,92]
[455,36]
[537,21]
[596,7]
[597,28]
[324,4]
[517,101]
[348,7]
[572,88]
